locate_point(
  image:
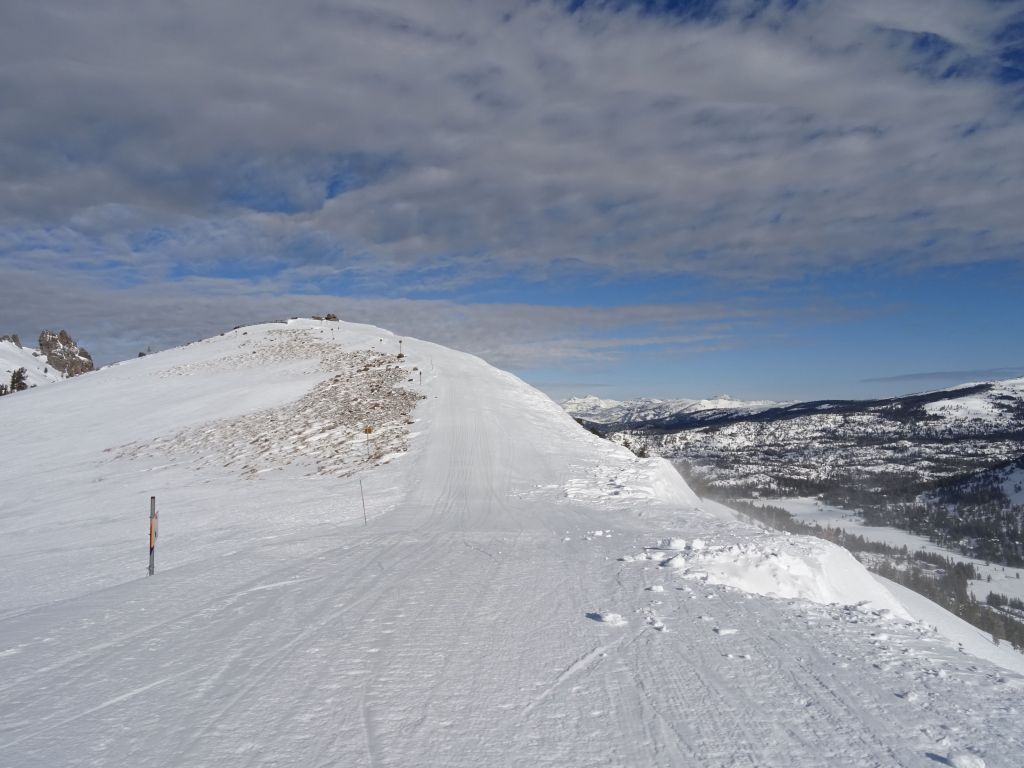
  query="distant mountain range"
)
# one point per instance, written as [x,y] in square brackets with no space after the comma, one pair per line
[648,411]
[939,434]
[992,405]
[892,458]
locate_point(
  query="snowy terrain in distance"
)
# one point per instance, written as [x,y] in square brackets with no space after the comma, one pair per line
[37,369]
[644,409]
[522,593]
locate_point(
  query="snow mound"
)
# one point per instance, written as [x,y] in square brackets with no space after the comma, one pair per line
[607,617]
[964,760]
[626,478]
[798,567]
[794,567]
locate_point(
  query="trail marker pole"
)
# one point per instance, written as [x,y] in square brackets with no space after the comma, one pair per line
[152,534]
[363,499]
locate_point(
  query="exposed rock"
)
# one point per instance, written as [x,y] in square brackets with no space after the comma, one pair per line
[13,338]
[63,354]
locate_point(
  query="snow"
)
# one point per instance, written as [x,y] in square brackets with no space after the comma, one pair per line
[800,567]
[981,408]
[966,636]
[601,411]
[37,370]
[1002,579]
[607,617]
[964,760]
[468,622]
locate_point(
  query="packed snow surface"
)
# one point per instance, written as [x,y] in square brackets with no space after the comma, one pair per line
[519,592]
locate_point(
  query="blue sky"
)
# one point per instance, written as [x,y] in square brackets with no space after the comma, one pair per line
[769,198]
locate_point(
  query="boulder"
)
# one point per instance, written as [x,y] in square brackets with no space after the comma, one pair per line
[64,354]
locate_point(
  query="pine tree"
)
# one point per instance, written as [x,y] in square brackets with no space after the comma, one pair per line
[18,380]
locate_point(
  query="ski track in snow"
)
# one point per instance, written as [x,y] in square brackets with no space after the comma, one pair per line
[452,629]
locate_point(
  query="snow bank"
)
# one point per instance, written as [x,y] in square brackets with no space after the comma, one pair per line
[623,477]
[799,567]
[966,636]
[964,760]
[668,485]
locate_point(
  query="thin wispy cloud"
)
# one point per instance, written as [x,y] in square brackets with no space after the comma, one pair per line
[982,374]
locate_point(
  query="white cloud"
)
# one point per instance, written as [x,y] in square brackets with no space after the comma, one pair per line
[506,136]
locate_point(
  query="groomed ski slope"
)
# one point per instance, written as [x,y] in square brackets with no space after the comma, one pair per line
[522,593]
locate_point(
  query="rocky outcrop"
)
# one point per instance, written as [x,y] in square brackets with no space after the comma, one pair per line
[13,338]
[63,354]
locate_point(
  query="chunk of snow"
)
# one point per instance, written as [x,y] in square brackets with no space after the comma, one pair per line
[796,567]
[964,760]
[607,617]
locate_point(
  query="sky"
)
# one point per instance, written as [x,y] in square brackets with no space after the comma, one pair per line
[787,199]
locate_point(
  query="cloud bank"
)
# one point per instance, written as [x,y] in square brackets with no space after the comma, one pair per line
[976,374]
[507,136]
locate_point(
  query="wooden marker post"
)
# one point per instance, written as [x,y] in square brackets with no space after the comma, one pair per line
[363,499]
[152,535]
[369,431]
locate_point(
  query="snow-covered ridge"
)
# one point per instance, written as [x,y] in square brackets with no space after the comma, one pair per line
[989,406]
[453,596]
[37,368]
